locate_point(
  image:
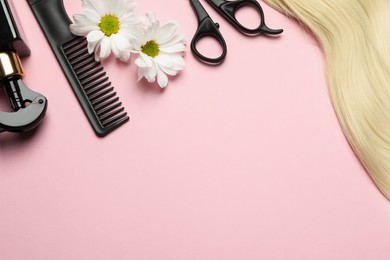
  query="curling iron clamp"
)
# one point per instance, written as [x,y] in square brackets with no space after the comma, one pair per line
[29,107]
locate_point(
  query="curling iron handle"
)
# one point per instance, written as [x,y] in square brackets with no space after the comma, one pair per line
[29,106]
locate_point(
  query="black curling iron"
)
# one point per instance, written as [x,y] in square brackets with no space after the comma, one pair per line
[29,107]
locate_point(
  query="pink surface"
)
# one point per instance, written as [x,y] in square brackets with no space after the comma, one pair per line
[241,161]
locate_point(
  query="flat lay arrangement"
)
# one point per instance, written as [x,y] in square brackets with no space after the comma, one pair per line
[199,129]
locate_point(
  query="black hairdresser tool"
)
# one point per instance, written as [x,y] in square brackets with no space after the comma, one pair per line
[228,9]
[85,75]
[29,106]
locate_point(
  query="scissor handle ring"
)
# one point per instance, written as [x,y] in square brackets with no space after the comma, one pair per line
[209,29]
[229,10]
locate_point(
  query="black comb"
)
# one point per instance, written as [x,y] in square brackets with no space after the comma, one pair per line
[86,76]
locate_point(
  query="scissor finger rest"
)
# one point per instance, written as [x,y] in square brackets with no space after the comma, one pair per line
[228,9]
[208,29]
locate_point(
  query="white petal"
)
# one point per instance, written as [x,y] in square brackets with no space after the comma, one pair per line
[84,20]
[121,7]
[141,73]
[136,42]
[94,5]
[91,47]
[128,29]
[95,36]
[153,26]
[121,43]
[152,18]
[178,39]
[115,6]
[173,48]
[169,71]
[115,49]
[143,60]
[105,48]
[131,33]
[97,53]
[125,56]
[150,73]
[171,61]
[92,15]
[165,33]
[162,78]
[129,19]
[81,20]
[122,53]
[128,8]
[82,31]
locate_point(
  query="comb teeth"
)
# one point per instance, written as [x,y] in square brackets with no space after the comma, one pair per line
[95,84]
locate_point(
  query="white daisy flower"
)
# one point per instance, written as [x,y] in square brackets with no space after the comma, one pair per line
[159,51]
[109,26]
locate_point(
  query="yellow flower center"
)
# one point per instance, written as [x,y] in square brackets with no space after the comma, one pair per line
[109,25]
[151,48]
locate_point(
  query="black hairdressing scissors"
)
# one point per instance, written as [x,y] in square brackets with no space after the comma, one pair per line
[228,9]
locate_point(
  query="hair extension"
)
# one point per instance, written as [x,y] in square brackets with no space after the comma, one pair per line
[355,38]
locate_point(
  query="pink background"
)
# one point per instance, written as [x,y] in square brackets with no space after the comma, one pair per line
[241,161]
